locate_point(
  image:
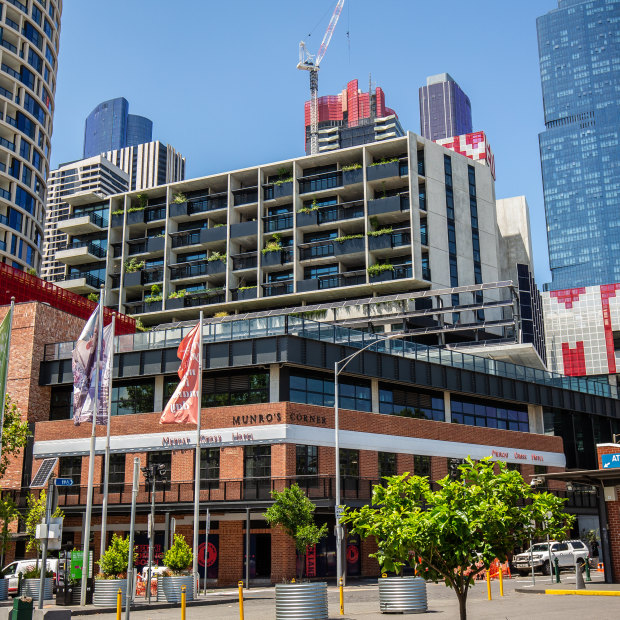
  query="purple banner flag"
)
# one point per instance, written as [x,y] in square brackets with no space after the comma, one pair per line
[84,356]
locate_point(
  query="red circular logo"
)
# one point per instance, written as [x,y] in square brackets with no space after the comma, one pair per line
[353,554]
[211,554]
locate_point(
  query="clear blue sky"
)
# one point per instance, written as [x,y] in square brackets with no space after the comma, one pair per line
[219,81]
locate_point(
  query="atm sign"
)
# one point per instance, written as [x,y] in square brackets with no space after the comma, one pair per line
[610,461]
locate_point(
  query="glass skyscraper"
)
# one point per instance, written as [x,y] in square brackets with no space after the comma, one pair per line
[110,126]
[445,110]
[579,49]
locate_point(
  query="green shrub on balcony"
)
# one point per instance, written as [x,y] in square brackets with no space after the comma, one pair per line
[348,237]
[376,269]
[155,295]
[274,244]
[349,167]
[246,288]
[285,175]
[381,231]
[217,256]
[179,198]
[178,294]
[385,160]
[313,207]
[132,265]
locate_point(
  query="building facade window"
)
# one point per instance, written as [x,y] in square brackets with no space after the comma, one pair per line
[209,468]
[161,458]
[61,403]
[387,464]
[349,463]
[257,472]
[116,480]
[132,397]
[422,465]
[411,403]
[306,461]
[71,467]
[489,414]
[316,390]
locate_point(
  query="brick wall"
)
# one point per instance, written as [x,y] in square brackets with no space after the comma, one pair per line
[613,512]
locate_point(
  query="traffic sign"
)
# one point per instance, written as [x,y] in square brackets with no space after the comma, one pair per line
[63,482]
[339,510]
[610,461]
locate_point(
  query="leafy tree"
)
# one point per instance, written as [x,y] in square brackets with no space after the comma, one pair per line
[114,562]
[8,513]
[294,513]
[35,513]
[15,434]
[179,557]
[456,532]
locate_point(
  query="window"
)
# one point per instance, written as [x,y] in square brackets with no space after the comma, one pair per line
[34,60]
[209,468]
[257,462]
[116,480]
[540,469]
[306,461]
[349,463]
[24,200]
[411,403]
[15,220]
[161,458]
[422,465]
[135,397]
[24,149]
[25,125]
[387,464]
[315,390]
[513,467]
[33,35]
[71,467]
[490,414]
[61,403]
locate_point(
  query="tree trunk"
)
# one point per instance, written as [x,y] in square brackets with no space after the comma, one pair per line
[462,596]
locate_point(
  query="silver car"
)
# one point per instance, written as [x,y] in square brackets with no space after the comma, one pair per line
[568,552]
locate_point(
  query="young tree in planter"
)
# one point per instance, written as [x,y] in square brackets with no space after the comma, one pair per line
[294,513]
[114,562]
[35,513]
[179,557]
[8,514]
[15,434]
[454,533]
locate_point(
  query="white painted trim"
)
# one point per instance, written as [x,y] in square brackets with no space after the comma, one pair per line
[297,434]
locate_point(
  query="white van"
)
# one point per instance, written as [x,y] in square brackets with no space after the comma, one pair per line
[19,567]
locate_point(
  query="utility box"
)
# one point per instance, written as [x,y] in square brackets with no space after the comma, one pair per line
[22,608]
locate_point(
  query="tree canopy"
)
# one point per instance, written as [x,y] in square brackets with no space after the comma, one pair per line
[15,434]
[455,532]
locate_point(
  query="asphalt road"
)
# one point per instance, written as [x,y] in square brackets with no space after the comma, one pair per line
[362,603]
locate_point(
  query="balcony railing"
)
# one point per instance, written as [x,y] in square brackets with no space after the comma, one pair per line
[4,92]
[210,203]
[137,246]
[3,246]
[245,195]
[317,249]
[319,182]
[155,213]
[96,218]
[5,194]
[188,270]
[282,221]
[91,280]
[19,5]
[248,260]
[350,278]
[8,45]
[149,276]
[343,211]
[204,298]
[191,237]
[9,145]
[271,289]
[402,271]
[93,248]
[10,71]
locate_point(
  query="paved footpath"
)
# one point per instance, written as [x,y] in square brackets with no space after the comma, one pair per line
[362,603]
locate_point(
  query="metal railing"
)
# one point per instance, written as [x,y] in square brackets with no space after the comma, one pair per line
[211,203]
[247,260]
[93,248]
[271,289]
[154,213]
[188,270]
[91,280]
[350,278]
[317,249]
[96,218]
[282,221]
[190,237]
[342,211]
[281,325]
[318,182]
[245,195]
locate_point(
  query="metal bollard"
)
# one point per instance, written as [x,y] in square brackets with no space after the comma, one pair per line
[489,585]
[240,584]
[579,584]
[183,601]
[501,581]
[341,598]
[119,603]
[588,578]
[557,570]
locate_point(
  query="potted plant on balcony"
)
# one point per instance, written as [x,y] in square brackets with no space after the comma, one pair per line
[117,218]
[216,263]
[153,301]
[379,238]
[245,293]
[352,173]
[283,186]
[381,272]
[382,168]
[113,573]
[308,214]
[294,513]
[176,299]
[346,244]
[272,252]
[178,560]
[178,206]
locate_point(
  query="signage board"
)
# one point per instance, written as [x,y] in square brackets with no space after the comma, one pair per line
[63,482]
[76,564]
[610,461]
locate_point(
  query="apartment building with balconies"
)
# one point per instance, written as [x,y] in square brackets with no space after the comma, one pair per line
[390,217]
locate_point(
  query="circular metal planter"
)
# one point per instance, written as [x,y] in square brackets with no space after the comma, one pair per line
[106,591]
[301,601]
[30,587]
[402,595]
[4,589]
[171,587]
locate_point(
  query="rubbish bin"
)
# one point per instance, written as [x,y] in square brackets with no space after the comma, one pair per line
[22,608]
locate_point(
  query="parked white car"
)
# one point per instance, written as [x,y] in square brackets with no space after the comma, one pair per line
[567,552]
[155,571]
[19,567]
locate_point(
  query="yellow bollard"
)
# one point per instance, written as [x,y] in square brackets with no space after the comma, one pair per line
[183,598]
[119,601]
[489,585]
[341,598]
[501,581]
[240,584]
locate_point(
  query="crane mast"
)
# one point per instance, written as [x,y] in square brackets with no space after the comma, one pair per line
[308,62]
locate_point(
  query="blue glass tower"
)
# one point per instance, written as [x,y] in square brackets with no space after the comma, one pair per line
[110,126]
[579,50]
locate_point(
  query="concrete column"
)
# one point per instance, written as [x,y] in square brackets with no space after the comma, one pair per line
[535,418]
[447,406]
[374,395]
[274,383]
[159,393]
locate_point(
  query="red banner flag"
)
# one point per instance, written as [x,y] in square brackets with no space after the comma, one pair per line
[182,408]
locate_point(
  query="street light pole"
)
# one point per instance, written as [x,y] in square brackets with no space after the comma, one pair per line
[339,366]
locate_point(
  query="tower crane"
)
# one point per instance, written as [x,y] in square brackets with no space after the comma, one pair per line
[308,62]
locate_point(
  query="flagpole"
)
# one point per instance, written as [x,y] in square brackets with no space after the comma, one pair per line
[91,460]
[197,464]
[5,379]
[106,475]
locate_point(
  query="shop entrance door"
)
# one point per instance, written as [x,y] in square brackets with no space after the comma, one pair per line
[260,556]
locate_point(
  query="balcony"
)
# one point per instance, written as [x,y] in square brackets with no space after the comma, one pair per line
[247,260]
[277,190]
[213,296]
[349,246]
[133,279]
[398,272]
[339,212]
[284,287]
[317,249]
[244,230]
[320,182]
[336,280]
[152,275]
[384,170]
[390,204]
[137,246]
[81,252]
[210,202]
[245,195]
[397,238]
[276,258]
[196,268]
[244,294]
[83,224]
[152,214]
[81,284]
[198,236]
[274,223]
